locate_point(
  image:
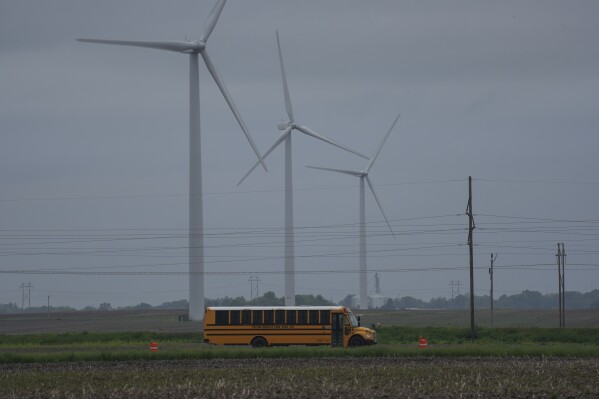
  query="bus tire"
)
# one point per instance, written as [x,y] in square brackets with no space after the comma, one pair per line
[356,341]
[259,342]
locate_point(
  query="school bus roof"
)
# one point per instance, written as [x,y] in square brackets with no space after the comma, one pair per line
[274,308]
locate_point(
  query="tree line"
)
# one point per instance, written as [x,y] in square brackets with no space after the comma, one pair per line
[524,300]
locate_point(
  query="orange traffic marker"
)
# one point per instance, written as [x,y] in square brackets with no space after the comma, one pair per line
[153,347]
[423,344]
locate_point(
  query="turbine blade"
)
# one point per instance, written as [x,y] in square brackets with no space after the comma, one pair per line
[223,89]
[356,173]
[379,204]
[319,136]
[378,150]
[285,87]
[274,145]
[180,47]
[212,19]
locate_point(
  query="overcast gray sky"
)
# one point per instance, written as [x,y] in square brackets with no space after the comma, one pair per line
[94,154]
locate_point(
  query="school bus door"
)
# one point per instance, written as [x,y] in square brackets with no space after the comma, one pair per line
[337,329]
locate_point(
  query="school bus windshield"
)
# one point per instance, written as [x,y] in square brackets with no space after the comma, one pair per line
[352,319]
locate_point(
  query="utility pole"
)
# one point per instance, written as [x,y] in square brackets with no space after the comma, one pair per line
[491,275]
[559,281]
[471,227]
[48,307]
[253,280]
[455,284]
[563,286]
[25,295]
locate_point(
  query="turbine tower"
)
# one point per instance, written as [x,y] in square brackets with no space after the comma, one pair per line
[287,128]
[363,175]
[196,219]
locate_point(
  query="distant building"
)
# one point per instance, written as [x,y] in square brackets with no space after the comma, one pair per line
[376,301]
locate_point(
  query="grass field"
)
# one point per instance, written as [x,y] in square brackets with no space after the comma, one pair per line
[393,342]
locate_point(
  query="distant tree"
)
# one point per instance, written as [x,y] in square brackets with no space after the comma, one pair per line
[311,300]
[180,304]
[105,306]
[389,305]
[438,303]
[460,302]
[268,299]
[346,301]
[410,302]
[238,301]
[9,308]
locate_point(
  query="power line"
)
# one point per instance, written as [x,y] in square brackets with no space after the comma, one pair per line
[75,271]
[185,195]
[537,181]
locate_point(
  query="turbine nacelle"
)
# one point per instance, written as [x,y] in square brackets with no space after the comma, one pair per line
[284,125]
[195,48]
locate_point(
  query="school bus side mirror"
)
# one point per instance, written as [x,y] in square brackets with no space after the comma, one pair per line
[359,321]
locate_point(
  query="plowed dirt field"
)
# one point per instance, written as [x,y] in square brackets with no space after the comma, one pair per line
[307,378]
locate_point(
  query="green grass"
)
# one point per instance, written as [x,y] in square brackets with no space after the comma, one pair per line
[393,342]
[206,352]
[453,335]
[97,337]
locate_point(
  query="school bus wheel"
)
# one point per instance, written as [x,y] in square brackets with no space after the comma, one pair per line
[356,341]
[259,342]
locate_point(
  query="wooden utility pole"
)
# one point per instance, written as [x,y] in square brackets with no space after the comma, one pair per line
[471,227]
[559,281]
[563,286]
[491,275]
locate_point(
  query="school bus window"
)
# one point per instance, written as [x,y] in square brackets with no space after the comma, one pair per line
[222,317]
[313,316]
[291,317]
[257,317]
[279,316]
[235,320]
[269,316]
[325,317]
[302,317]
[246,317]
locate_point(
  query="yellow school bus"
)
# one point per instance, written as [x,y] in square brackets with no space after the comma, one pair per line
[261,326]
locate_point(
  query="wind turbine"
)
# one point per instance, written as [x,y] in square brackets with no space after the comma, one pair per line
[196,218]
[285,136]
[363,175]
